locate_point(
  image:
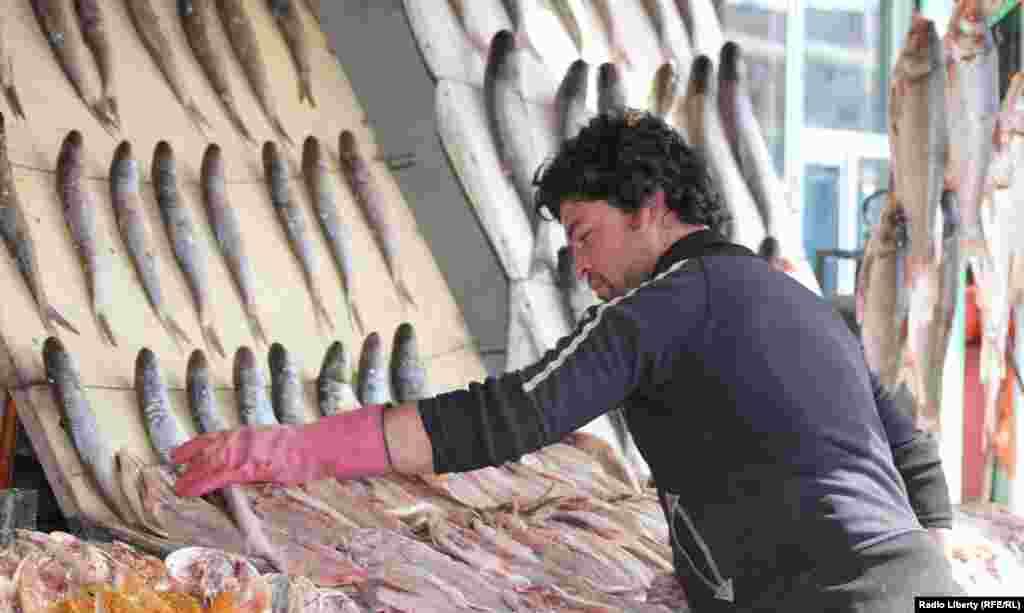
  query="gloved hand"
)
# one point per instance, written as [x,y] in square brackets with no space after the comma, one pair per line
[347,445]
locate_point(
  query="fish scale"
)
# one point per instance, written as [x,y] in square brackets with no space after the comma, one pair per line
[334,383]
[286,388]
[163,428]
[251,387]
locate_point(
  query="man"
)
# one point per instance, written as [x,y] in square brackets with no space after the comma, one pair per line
[788,479]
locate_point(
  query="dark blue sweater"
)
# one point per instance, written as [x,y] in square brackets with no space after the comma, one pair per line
[770,443]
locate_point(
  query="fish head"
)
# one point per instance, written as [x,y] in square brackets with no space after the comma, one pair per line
[198,370]
[500,59]
[348,148]
[312,155]
[163,159]
[71,147]
[213,161]
[730,62]
[145,366]
[245,361]
[336,364]
[405,339]
[280,8]
[271,158]
[55,358]
[278,358]
[575,80]
[700,76]
[186,8]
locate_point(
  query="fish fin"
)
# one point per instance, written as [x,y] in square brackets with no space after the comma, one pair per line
[306,91]
[105,329]
[213,340]
[101,116]
[257,327]
[279,128]
[51,316]
[174,330]
[112,111]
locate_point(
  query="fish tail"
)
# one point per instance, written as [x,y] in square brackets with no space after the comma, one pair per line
[14,101]
[279,128]
[112,111]
[524,41]
[321,309]
[105,328]
[210,335]
[51,316]
[354,317]
[403,291]
[174,330]
[236,118]
[306,90]
[99,111]
[197,116]
[257,327]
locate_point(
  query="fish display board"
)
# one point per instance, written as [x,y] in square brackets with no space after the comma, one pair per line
[149,113]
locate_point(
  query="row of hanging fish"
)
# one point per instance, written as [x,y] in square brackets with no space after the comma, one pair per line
[711,109]
[79,206]
[505,538]
[952,201]
[76,30]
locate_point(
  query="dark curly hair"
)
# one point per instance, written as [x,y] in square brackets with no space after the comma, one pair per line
[624,157]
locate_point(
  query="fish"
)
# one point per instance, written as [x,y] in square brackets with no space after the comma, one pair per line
[294,224]
[972,96]
[207,574]
[703,24]
[314,9]
[197,21]
[251,391]
[80,215]
[376,208]
[207,415]
[408,376]
[665,91]
[242,35]
[320,185]
[675,42]
[616,37]
[124,193]
[181,235]
[7,75]
[918,137]
[372,383]
[228,234]
[571,100]
[147,24]
[691,112]
[92,22]
[285,386]
[295,36]
[746,226]
[14,228]
[611,90]
[480,22]
[562,9]
[882,304]
[93,448]
[165,433]
[508,117]
[57,21]
[334,383]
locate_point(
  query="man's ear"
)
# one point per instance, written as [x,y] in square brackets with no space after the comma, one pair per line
[652,213]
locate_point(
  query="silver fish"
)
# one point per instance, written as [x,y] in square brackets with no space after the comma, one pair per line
[376,207]
[285,386]
[408,377]
[161,424]
[228,232]
[93,447]
[14,228]
[571,100]
[334,383]
[294,224]
[562,9]
[611,90]
[691,112]
[80,215]
[665,91]
[675,43]
[251,390]
[373,372]
[94,31]
[124,193]
[182,237]
[320,185]
[210,419]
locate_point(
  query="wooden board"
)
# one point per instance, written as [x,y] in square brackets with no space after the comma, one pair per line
[150,113]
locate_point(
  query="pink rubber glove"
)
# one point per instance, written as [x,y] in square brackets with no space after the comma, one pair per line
[346,446]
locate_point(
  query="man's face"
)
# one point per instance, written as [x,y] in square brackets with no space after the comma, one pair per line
[606,245]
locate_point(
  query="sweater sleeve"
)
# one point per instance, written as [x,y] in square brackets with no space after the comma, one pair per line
[617,347]
[916,455]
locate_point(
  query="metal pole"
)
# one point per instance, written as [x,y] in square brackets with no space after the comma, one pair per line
[794,111]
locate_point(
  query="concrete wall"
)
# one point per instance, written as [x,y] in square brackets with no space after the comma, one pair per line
[379,54]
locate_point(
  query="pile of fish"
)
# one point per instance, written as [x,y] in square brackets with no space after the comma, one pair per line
[75,29]
[954,154]
[557,530]
[80,212]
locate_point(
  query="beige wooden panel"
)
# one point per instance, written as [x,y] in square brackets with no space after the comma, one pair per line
[150,113]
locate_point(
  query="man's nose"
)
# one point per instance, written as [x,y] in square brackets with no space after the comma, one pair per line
[582,265]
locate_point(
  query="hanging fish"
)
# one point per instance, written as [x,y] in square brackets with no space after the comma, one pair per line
[90,18]
[291,28]
[7,74]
